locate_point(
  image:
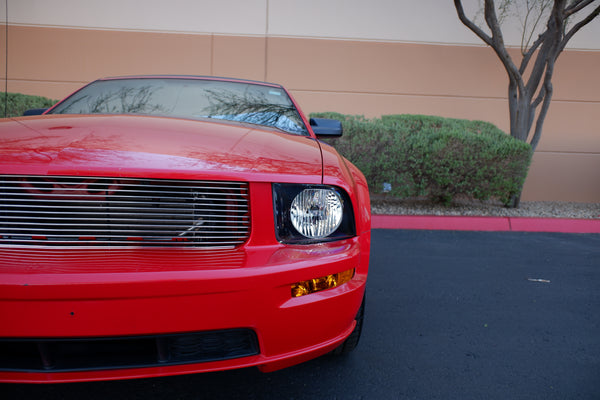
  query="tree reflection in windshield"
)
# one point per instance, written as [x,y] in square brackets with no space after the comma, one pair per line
[254,108]
[127,101]
[124,100]
[188,98]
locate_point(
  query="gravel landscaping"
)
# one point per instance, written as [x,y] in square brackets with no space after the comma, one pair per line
[544,209]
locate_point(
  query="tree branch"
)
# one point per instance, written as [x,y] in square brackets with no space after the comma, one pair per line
[577,27]
[545,106]
[549,49]
[470,24]
[540,97]
[576,6]
[527,56]
[492,22]
[496,42]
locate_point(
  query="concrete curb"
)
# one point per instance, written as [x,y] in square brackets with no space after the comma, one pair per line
[489,224]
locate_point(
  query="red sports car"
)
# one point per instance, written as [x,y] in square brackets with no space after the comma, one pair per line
[162,225]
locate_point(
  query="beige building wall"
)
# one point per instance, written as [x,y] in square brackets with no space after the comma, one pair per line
[355,57]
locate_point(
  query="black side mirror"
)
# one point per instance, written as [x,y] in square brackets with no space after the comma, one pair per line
[35,111]
[326,128]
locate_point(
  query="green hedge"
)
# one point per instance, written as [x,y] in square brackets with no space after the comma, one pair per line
[15,104]
[435,157]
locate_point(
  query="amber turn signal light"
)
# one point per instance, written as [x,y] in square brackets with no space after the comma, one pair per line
[322,283]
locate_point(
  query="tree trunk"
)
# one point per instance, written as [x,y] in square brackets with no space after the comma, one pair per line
[521,114]
[522,120]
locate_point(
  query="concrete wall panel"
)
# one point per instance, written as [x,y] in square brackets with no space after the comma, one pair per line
[384,68]
[564,177]
[80,55]
[239,56]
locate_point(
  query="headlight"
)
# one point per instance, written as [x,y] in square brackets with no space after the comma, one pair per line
[316,213]
[311,213]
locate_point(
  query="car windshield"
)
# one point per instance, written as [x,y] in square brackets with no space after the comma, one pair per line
[188,98]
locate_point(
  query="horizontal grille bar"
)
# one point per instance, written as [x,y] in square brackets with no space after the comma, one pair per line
[119,259]
[81,354]
[55,210]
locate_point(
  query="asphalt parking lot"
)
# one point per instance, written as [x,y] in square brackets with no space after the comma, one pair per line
[450,315]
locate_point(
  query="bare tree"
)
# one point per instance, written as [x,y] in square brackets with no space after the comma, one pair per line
[530,89]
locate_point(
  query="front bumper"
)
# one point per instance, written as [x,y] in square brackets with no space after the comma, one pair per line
[108,293]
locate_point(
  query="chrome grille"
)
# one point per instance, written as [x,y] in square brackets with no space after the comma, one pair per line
[58,210]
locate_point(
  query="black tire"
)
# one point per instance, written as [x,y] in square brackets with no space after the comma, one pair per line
[352,341]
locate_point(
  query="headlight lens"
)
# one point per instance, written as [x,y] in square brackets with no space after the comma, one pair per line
[312,213]
[316,213]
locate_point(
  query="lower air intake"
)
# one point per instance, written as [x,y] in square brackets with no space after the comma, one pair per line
[55,355]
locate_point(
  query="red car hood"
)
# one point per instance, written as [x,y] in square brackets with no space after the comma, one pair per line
[140,146]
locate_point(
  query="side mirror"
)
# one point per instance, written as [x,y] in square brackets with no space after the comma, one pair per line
[326,128]
[35,111]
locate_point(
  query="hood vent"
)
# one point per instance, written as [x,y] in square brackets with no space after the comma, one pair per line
[67,211]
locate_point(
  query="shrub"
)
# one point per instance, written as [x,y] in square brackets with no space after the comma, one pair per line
[15,104]
[435,157]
